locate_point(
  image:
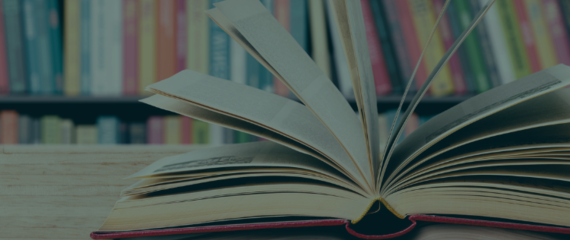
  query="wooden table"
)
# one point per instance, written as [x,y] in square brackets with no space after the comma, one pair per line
[65,192]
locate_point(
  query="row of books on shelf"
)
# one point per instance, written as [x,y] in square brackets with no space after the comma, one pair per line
[117,47]
[18,128]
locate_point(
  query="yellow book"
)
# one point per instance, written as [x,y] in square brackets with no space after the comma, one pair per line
[424,19]
[172,130]
[546,54]
[72,45]
[198,36]
[147,55]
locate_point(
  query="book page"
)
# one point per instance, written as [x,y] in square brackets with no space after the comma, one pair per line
[300,73]
[475,108]
[258,107]
[350,22]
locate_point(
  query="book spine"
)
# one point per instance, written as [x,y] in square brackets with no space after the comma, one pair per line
[123,133]
[424,20]
[50,129]
[412,124]
[181,35]
[155,130]
[514,38]
[448,39]
[24,129]
[217,134]
[172,133]
[201,133]
[146,48]
[341,65]
[9,126]
[486,51]
[265,77]
[67,131]
[4,80]
[238,63]
[86,134]
[528,37]
[30,11]
[299,30]
[461,51]
[219,50]
[228,136]
[72,48]
[559,27]
[186,130]
[137,133]
[473,48]
[387,46]
[411,41]
[113,48]
[544,43]
[498,43]
[55,30]
[35,131]
[397,38]
[379,69]
[97,61]
[15,47]
[283,14]
[166,39]
[319,45]
[85,45]
[45,52]
[130,47]
[198,36]
[108,130]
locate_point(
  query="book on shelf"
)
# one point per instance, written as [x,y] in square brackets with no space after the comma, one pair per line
[497,159]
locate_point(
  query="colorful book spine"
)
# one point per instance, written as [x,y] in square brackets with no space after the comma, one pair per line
[387,45]
[24,129]
[113,48]
[35,131]
[299,30]
[97,51]
[514,38]
[72,47]
[198,36]
[559,27]
[85,42]
[155,130]
[30,11]
[424,20]
[411,41]
[319,43]
[166,39]
[447,38]
[130,47]
[4,79]
[473,48]
[486,51]
[498,43]
[15,49]
[241,137]
[54,20]
[50,129]
[137,133]
[67,133]
[283,13]
[185,130]
[218,134]
[265,77]
[219,50]
[172,133]
[456,30]
[147,44]
[9,126]
[528,36]
[44,52]
[379,69]
[544,44]
[86,134]
[181,35]
[108,130]
[341,66]
[201,132]
[412,124]
[238,63]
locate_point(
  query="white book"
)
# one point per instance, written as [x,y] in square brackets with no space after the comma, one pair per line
[238,63]
[341,66]
[216,134]
[113,47]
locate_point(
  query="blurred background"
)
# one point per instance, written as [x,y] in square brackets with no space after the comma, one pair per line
[72,71]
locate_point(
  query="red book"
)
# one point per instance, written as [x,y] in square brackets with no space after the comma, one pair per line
[166,39]
[155,130]
[186,128]
[557,30]
[4,81]
[130,47]
[381,76]
[8,127]
[528,37]
[181,35]
[411,40]
[282,12]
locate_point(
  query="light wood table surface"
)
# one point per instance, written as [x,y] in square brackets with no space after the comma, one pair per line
[66,192]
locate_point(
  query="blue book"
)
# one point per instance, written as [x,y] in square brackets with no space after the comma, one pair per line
[15,47]
[299,22]
[219,50]
[55,32]
[44,53]
[108,130]
[30,11]
[85,14]
[265,76]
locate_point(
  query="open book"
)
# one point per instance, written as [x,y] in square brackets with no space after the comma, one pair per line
[499,158]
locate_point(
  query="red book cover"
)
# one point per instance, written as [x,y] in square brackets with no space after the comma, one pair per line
[9,127]
[447,38]
[557,30]
[130,47]
[4,81]
[282,12]
[181,34]
[379,70]
[528,37]
[186,128]
[166,39]
[155,130]
[411,40]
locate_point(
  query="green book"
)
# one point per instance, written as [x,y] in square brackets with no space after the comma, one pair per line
[514,38]
[201,132]
[241,137]
[51,129]
[473,48]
